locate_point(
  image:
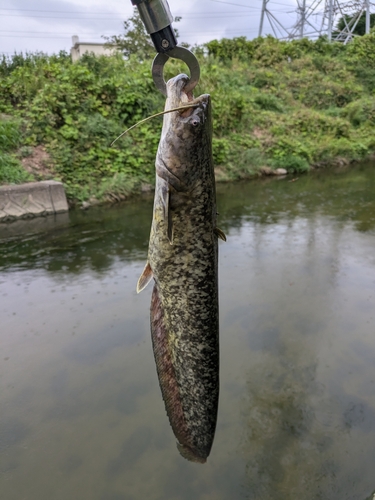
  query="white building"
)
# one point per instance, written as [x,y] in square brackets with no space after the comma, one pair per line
[80,48]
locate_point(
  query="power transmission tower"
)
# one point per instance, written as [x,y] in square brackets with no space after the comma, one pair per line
[314,18]
[355,9]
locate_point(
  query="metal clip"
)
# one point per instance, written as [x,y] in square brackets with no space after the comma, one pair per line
[177,53]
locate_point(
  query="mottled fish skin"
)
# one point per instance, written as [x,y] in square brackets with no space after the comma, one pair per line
[183,258]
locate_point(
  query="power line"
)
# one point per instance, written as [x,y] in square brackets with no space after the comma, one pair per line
[119,13]
[100,13]
[231,3]
[58,11]
[248,6]
[72,18]
[123,13]
[118,19]
[87,19]
[215,16]
[52,35]
[67,37]
[50,32]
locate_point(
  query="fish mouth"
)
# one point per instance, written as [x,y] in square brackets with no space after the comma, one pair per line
[175,90]
[176,96]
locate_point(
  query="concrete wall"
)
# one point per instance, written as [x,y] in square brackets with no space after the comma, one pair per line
[32,199]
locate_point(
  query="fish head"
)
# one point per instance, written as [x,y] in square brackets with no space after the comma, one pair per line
[185,146]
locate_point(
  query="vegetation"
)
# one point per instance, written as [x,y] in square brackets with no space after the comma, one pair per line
[11,170]
[275,104]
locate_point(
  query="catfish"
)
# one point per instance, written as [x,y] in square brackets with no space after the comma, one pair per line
[183,262]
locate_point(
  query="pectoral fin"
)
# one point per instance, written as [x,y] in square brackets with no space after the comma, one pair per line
[220,234]
[145,278]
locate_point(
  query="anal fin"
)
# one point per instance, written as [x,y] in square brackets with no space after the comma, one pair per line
[166,370]
[145,278]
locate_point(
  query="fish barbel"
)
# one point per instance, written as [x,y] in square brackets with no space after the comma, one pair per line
[183,260]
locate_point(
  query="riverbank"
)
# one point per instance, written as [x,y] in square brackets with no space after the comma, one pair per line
[291,105]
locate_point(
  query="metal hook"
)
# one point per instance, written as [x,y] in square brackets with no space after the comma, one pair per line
[177,53]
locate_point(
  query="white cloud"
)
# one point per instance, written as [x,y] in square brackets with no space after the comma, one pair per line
[48,26]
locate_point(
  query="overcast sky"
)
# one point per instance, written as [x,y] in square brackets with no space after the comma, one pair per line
[48,26]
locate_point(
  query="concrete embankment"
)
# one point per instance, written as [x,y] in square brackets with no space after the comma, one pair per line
[31,200]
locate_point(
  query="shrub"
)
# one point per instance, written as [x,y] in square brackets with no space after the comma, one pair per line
[220,150]
[10,134]
[291,163]
[361,111]
[286,104]
[268,102]
[11,170]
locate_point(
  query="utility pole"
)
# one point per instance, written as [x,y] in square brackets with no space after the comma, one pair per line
[367,17]
[330,17]
[264,8]
[303,18]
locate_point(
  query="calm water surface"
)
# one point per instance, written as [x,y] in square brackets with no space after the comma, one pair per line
[81,415]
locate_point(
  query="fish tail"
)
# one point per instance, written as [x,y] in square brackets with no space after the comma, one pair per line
[189,454]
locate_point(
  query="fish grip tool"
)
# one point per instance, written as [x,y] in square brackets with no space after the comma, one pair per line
[178,53]
[157,19]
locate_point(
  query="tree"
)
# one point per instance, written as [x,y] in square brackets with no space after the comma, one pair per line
[135,40]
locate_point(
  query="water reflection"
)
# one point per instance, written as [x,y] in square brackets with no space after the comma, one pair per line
[79,240]
[81,414]
[303,417]
[345,194]
[300,435]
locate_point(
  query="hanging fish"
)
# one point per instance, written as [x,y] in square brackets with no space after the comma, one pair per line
[183,261]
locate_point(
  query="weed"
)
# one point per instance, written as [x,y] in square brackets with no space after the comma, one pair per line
[11,170]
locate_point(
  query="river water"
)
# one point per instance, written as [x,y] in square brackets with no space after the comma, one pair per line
[81,414]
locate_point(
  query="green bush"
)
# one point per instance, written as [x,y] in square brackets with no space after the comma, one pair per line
[360,52]
[275,103]
[361,111]
[220,150]
[254,157]
[11,170]
[291,163]
[268,102]
[10,134]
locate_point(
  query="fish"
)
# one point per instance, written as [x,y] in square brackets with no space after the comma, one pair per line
[183,262]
